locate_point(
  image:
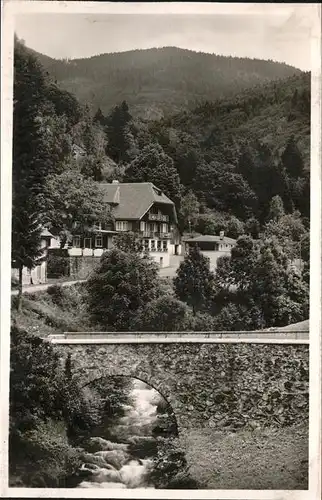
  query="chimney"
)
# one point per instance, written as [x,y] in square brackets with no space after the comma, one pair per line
[115,182]
[221,235]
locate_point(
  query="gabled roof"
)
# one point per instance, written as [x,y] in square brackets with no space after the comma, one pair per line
[45,233]
[133,199]
[209,238]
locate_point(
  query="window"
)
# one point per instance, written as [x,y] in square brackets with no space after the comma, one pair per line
[87,242]
[159,245]
[165,245]
[164,228]
[153,245]
[99,241]
[146,244]
[121,225]
[76,241]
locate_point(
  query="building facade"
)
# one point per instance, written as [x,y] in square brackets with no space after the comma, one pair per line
[38,274]
[212,246]
[141,208]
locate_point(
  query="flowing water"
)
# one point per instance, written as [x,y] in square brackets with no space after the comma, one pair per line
[127,460]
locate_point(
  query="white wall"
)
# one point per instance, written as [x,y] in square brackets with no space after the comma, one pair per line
[214,256]
[165,258]
[35,276]
[172,249]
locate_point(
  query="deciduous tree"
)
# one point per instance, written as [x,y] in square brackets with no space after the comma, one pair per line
[189,210]
[122,284]
[129,242]
[276,209]
[72,202]
[194,281]
[277,288]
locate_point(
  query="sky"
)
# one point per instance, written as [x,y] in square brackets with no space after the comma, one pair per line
[277,32]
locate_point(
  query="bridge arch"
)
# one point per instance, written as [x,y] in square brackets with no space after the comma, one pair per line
[207,384]
[147,383]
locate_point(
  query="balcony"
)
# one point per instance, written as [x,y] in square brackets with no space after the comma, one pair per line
[97,228]
[85,252]
[158,217]
[152,235]
[158,250]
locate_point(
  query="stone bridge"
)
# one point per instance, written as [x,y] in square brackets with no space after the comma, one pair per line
[210,380]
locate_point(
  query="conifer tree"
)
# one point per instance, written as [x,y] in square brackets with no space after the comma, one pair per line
[26,232]
[99,117]
[154,165]
[118,133]
[292,159]
[39,147]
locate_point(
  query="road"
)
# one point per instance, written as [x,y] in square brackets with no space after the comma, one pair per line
[170,272]
[44,286]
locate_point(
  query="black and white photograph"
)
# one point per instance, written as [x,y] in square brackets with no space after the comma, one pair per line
[161,214]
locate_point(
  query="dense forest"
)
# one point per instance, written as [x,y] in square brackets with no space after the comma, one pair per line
[222,162]
[160,81]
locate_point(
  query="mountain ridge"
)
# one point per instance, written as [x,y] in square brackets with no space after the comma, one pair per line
[159,81]
[168,48]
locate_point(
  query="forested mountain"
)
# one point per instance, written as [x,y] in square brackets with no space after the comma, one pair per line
[160,81]
[235,153]
[271,113]
[223,162]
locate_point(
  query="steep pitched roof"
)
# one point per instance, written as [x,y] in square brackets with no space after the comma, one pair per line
[209,238]
[133,199]
[46,233]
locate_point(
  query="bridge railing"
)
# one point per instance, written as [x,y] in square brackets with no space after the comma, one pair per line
[258,335]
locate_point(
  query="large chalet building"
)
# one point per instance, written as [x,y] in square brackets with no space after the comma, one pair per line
[141,208]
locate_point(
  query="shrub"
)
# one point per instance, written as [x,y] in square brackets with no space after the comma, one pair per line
[162,314]
[169,461]
[43,456]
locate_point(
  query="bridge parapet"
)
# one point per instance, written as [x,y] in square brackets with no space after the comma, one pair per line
[259,336]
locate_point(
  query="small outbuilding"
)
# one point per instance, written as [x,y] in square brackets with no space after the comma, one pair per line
[212,246]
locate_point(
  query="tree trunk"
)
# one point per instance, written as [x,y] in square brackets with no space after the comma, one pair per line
[63,241]
[19,298]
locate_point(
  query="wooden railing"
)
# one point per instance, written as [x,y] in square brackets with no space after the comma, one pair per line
[158,217]
[151,234]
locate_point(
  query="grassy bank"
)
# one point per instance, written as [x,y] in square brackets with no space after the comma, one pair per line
[54,310]
[259,459]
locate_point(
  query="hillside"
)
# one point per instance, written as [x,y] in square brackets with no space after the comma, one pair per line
[235,152]
[271,113]
[161,81]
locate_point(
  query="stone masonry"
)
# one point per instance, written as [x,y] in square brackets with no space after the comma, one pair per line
[213,384]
